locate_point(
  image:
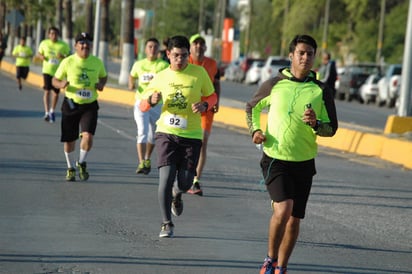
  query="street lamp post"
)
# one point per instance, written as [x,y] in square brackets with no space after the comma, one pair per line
[325,27]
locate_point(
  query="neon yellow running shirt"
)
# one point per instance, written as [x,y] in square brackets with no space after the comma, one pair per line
[51,50]
[23,55]
[82,75]
[145,70]
[181,89]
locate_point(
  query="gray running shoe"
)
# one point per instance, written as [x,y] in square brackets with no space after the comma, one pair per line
[177,205]
[166,230]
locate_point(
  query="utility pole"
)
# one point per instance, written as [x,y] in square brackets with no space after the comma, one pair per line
[283,42]
[380,35]
[201,16]
[96,36]
[247,29]
[405,92]
[325,27]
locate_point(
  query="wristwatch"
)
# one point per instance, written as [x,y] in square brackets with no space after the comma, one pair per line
[206,105]
[315,128]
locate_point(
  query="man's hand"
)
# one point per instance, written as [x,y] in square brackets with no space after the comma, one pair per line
[309,117]
[199,107]
[258,137]
[155,98]
[99,86]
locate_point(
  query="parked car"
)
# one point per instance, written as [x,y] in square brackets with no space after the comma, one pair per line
[245,66]
[369,90]
[389,86]
[340,71]
[272,66]
[352,78]
[253,74]
[232,70]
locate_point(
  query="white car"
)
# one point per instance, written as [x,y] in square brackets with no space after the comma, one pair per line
[369,90]
[253,74]
[272,66]
[232,70]
[389,86]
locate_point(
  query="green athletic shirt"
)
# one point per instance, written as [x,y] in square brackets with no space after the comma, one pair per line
[23,55]
[288,138]
[82,75]
[50,50]
[145,70]
[181,89]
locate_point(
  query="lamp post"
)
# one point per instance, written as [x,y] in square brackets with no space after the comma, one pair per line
[325,27]
[405,92]
[380,35]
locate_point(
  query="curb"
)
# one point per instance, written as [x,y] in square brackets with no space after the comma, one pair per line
[367,144]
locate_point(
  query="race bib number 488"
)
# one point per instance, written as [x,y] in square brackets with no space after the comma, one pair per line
[84,93]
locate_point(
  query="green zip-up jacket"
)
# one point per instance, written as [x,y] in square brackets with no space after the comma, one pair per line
[288,138]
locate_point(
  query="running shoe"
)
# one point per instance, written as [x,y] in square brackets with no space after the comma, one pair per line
[269,266]
[140,168]
[177,205]
[46,117]
[83,174]
[52,117]
[147,166]
[166,230]
[280,270]
[71,175]
[195,189]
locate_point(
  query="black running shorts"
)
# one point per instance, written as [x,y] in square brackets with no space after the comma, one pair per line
[77,116]
[289,180]
[22,72]
[179,151]
[47,80]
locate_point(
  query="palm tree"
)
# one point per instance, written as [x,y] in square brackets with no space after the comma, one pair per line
[68,22]
[104,30]
[127,37]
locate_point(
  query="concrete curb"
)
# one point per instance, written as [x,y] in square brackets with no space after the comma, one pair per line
[367,144]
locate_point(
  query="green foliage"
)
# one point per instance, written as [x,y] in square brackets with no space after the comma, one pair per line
[352,30]
[394,33]
[176,17]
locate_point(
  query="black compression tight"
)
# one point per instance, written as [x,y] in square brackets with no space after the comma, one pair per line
[167,176]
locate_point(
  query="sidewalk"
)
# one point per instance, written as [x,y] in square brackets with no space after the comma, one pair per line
[392,147]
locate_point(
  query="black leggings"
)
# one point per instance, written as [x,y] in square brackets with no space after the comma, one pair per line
[167,185]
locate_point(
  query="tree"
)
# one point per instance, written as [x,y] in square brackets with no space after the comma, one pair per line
[128,39]
[104,30]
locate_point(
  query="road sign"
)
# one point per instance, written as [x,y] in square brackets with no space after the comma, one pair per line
[14,17]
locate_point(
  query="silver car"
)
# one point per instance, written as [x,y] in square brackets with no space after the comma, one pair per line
[369,90]
[253,73]
[272,66]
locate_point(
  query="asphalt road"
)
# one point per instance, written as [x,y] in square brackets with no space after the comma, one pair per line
[358,218]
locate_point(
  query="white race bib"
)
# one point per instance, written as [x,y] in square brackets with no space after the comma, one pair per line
[174,120]
[54,61]
[146,78]
[84,93]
